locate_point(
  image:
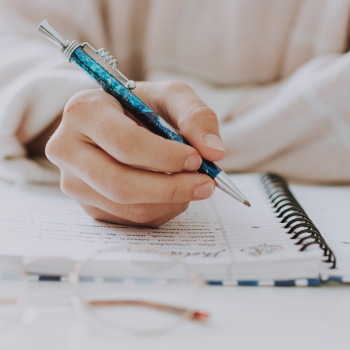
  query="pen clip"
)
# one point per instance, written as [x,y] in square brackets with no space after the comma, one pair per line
[111,61]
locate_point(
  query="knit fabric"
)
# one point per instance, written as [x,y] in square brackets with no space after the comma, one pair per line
[275,72]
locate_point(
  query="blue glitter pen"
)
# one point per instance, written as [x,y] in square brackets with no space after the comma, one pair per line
[73,51]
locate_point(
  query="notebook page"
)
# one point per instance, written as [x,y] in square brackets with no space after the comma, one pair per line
[253,228]
[41,221]
[259,244]
[328,207]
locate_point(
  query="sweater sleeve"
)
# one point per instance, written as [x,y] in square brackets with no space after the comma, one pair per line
[35,82]
[302,131]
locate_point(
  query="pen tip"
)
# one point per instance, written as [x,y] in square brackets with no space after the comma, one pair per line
[247,203]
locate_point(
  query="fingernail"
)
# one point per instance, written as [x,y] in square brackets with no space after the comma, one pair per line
[213,141]
[192,163]
[204,191]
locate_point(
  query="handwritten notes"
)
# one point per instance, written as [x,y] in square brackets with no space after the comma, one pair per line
[41,221]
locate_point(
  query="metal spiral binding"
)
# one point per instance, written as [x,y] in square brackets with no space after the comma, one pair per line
[293,216]
[105,55]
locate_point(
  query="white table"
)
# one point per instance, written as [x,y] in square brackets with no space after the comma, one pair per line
[241,318]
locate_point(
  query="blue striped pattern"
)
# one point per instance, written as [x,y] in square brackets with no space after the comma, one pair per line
[334,279]
[343,279]
[287,283]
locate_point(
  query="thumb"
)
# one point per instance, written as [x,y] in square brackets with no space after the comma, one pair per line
[200,127]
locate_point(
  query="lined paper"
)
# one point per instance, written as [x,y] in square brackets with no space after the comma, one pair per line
[41,221]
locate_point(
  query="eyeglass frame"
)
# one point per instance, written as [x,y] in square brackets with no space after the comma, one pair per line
[74,274]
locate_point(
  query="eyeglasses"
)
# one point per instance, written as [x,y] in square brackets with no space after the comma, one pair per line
[121,287]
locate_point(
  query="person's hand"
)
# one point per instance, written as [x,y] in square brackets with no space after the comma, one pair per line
[121,172]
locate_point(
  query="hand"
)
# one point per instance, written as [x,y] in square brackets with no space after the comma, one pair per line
[121,172]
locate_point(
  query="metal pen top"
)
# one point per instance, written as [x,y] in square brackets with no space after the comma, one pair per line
[48,31]
[69,46]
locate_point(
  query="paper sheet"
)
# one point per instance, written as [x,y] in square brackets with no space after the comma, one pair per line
[37,220]
[41,221]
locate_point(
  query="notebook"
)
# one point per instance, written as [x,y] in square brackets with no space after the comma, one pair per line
[275,242]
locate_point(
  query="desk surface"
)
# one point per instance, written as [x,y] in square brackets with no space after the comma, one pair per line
[241,318]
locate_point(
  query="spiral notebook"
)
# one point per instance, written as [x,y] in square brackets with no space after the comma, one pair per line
[275,242]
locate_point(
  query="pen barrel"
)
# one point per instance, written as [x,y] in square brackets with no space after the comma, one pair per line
[134,105]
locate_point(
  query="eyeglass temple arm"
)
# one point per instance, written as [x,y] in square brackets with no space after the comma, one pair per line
[12,300]
[196,315]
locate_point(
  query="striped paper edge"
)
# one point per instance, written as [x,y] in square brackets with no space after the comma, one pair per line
[343,279]
[288,283]
[291,283]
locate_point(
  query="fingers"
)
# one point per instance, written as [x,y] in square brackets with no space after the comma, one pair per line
[99,214]
[123,184]
[102,155]
[90,200]
[109,128]
[178,103]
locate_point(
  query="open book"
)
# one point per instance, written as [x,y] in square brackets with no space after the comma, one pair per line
[273,242]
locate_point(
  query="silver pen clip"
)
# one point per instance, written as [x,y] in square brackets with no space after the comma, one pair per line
[68,47]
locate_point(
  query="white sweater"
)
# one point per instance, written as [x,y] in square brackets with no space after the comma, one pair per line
[273,71]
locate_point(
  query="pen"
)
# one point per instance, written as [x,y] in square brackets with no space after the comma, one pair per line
[72,51]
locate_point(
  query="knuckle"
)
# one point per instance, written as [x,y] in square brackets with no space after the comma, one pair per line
[198,115]
[85,104]
[67,186]
[202,114]
[51,148]
[123,146]
[55,148]
[172,193]
[85,96]
[117,191]
[95,213]
[168,159]
[139,214]
[171,86]
[73,105]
